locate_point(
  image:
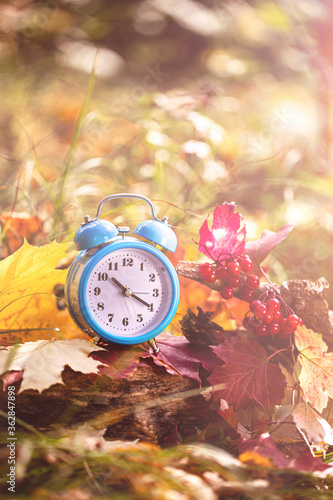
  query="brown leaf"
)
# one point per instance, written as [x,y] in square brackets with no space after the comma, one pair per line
[258,250]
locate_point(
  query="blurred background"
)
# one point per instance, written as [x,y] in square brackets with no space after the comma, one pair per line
[191,103]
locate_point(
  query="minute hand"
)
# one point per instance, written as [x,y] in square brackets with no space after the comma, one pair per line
[140,300]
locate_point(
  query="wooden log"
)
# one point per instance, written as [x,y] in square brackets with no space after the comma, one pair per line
[149,405]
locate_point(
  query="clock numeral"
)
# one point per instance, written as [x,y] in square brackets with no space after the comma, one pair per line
[141,266]
[151,307]
[97,290]
[113,266]
[152,277]
[102,276]
[100,306]
[139,318]
[156,292]
[110,316]
[125,321]
[127,261]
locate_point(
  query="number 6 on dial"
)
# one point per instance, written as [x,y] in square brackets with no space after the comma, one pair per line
[120,289]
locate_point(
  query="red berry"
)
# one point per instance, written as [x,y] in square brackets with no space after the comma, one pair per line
[254,304]
[227,292]
[252,281]
[277,316]
[222,272]
[234,281]
[211,277]
[233,268]
[247,294]
[273,328]
[260,311]
[285,331]
[292,321]
[246,264]
[268,318]
[205,269]
[273,304]
[260,330]
[249,323]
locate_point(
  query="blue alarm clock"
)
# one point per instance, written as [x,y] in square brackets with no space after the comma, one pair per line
[121,289]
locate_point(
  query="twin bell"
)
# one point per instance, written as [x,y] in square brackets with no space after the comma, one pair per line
[94,232]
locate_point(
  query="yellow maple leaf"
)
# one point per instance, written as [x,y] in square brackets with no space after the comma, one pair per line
[315,367]
[27,301]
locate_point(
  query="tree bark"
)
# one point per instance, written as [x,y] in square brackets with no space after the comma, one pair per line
[149,405]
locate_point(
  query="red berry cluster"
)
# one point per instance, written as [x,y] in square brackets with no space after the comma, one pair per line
[269,319]
[229,271]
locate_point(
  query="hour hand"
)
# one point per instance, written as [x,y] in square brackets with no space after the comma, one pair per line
[116,282]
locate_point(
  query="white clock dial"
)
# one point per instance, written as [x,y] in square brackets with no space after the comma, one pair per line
[129,292]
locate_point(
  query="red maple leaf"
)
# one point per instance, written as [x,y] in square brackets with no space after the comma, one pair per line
[247,375]
[227,235]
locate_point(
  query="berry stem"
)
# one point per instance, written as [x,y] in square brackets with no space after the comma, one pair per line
[277,352]
[205,247]
[276,290]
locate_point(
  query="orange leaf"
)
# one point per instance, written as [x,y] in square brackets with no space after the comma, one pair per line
[19,226]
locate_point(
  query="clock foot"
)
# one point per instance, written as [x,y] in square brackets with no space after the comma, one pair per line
[153,345]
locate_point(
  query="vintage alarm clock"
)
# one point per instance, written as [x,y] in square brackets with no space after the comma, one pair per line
[120,289]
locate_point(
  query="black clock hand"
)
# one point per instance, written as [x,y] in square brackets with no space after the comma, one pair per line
[129,292]
[116,282]
[140,300]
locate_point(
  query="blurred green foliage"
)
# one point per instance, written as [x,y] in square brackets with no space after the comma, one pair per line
[194,103]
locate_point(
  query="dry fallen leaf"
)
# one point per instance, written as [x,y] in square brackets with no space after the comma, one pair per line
[315,366]
[43,361]
[309,423]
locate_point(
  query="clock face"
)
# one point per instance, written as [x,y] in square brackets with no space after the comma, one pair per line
[129,292]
